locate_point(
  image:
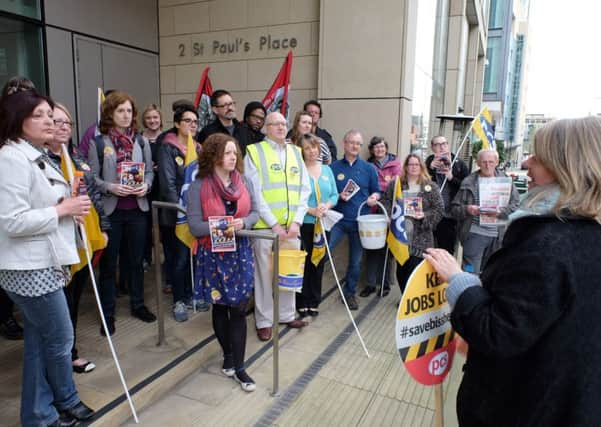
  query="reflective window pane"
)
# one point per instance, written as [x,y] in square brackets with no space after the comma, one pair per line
[29,8]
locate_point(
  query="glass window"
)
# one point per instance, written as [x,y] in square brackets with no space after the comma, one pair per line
[29,8]
[492,71]
[497,14]
[21,52]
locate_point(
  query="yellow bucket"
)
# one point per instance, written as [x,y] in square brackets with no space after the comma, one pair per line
[292,267]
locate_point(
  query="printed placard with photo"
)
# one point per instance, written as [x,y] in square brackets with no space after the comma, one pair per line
[223,235]
[132,174]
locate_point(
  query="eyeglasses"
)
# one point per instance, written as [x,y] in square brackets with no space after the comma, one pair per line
[228,105]
[255,116]
[61,123]
[189,121]
[359,143]
[440,144]
[276,124]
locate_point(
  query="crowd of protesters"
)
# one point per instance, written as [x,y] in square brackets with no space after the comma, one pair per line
[258,172]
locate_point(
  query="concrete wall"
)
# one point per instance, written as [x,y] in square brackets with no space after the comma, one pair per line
[243,41]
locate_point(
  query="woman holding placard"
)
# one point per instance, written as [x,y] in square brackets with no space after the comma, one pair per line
[423,209]
[531,319]
[224,271]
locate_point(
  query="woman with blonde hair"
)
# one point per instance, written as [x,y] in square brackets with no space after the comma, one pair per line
[533,313]
[423,209]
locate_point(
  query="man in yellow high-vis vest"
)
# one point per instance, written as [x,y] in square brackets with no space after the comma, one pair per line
[282,188]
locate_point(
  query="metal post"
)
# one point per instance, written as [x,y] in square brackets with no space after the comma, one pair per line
[158,271]
[276,316]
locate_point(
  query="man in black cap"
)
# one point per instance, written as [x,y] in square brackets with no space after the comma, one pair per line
[254,119]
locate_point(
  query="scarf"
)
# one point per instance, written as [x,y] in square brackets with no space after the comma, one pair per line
[213,194]
[172,139]
[123,143]
[541,200]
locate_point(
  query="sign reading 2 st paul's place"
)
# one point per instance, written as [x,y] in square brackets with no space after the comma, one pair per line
[424,337]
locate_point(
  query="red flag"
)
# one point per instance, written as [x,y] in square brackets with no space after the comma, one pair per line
[202,100]
[277,95]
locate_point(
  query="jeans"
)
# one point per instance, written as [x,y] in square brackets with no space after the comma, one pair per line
[374,264]
[355,252]
[47,372]
[132,224]
[177,265]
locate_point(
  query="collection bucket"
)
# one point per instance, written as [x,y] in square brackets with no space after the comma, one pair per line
[292,267]
[373,228]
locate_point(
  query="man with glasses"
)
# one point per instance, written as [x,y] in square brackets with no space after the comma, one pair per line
[254,119]
[281,188]
[357,182]
[224,108]
[439,167]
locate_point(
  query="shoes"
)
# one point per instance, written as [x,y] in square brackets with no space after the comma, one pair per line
[313,312]
[228,365]
[246,382]
[303,312]
[201,305]
[264,334]
[297,324]
[143,314]
[110,322]
[167,289]
[145,266]
[384,293]
[80,412]
[85,368]
[351,300]
[11,330]
[180,312]
[64,420]
[367,291]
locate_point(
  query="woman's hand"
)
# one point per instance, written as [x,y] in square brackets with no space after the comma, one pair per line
[140,191]
[74,206]
[473,210]
[120,190]
[320,210]
[443,262]
[419,215]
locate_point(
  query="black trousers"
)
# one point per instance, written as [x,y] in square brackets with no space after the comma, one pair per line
[445,234]
[6,306]
[229,323]
[73,294]
[404,271]
[310,296]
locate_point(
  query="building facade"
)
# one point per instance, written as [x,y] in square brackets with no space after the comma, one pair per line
[387,69]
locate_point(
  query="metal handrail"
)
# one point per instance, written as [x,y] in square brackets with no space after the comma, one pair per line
[257,234]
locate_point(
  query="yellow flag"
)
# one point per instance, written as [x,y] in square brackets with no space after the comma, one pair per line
[397,238]
[319,247]
[483,128]
[182,230]
[91,222]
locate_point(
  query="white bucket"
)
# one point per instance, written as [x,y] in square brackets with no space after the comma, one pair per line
[373,228]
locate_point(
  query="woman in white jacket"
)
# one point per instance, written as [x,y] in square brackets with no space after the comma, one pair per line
[37,243]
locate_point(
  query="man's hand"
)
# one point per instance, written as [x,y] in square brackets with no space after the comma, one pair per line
[293,231]
[473,210]
[372,200]
[279,230]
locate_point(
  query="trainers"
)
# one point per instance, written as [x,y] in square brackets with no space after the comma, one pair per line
[180,313]
[143,314]
[352,302]
[228,365]
[11,330]
[367,291]
[201,305]
[246,382]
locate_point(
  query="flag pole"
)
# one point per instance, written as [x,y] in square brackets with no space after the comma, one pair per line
[325,239]
[84,237]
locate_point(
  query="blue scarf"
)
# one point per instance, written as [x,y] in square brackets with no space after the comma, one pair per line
[541,200]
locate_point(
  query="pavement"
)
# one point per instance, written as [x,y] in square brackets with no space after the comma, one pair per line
[325,377]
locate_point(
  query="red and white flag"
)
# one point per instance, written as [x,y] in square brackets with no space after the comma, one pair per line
[202,100]
[277,95]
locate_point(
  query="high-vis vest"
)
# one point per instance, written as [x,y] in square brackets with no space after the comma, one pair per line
[280,187]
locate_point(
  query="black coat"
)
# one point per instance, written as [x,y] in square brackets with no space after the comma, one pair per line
[241,133]
[534,329]
[171,173]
